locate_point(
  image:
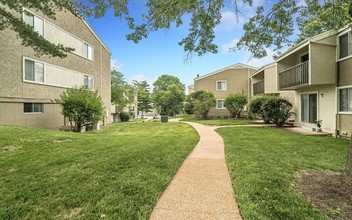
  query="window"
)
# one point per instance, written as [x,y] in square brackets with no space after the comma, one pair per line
[33,107]
[221,85]
[345,100]
[88,81]
[33,71]
[87,51]
[220,104]
[345,45]
[34,21]
[309,108]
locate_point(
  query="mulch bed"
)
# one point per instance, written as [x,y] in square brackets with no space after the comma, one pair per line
[328,192]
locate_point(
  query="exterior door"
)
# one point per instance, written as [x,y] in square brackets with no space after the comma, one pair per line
[309,106]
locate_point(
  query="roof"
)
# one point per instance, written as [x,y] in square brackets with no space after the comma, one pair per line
[306,42]
[235,66]
[264,67]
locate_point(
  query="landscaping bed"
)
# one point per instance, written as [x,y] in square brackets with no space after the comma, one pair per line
[215,121]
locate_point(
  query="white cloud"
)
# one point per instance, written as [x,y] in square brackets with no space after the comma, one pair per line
[115,65]
[229,21]
[257,62]
[227,46]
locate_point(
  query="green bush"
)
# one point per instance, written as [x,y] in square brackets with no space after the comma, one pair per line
[235,103]
[255,107]
[124,116]
[277,110]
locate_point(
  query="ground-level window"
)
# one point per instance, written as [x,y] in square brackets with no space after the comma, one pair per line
[221,85]
[33,107]
[220,104]
[88,82]
[33,71]
[309,106]
[345,100]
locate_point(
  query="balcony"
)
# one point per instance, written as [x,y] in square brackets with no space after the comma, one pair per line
[258,88]
[294,76]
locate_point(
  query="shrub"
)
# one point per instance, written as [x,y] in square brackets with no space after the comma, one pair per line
[82,107]
[235,103]
[255,107]
[124,116]
[203,102]
[277,110]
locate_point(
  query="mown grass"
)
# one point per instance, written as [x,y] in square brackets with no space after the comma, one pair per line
[116,173]
[215,121]
[264,163]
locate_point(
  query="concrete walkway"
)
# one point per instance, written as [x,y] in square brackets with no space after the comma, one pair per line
[201,188]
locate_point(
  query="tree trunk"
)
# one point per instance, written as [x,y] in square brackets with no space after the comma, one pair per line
[348,171]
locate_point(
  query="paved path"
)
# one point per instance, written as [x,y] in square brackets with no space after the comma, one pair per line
[201,188]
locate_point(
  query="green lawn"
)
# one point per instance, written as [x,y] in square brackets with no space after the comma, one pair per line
[116,173]
[215,122]
[264,163]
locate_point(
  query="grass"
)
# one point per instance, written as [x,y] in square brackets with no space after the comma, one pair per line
[116,173]
[264,163]
[216,121]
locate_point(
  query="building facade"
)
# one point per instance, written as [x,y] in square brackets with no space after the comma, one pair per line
[29,84]
[232,79]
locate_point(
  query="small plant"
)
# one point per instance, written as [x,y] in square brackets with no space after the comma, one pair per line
[124,116]
[318,124]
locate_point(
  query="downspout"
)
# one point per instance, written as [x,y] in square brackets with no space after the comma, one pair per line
[337,128]
[101,84]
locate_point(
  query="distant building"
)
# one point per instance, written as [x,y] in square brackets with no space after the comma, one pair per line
[30,84]
[190,88]
[221,83]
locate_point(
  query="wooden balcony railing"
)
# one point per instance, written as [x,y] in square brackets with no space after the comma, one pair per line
[294,76]
[258,88]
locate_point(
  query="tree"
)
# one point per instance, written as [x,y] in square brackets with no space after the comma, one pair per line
[143,96]
[82,107]
[235,103]
[122,93]
[168,94]
[272,25]
[203,101]
[256,107]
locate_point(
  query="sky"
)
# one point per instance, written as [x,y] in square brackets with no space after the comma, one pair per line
[160,53]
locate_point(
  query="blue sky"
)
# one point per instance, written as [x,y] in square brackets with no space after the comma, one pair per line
[160,53]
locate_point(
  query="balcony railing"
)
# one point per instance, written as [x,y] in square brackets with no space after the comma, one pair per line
[258,88]
[294,76]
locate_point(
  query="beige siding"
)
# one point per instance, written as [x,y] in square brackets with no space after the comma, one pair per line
[345,72]
[345,125]
[323,64]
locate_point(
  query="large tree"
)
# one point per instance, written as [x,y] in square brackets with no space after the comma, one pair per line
[143,96]
[168,94]
[272,25]
[122,93]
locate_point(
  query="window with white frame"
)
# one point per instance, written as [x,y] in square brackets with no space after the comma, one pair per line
[221,85]
[87,51]
[220,104]
[35,22]
[88,82]
[33,107]
[33,71]
[345,45]
[345,100]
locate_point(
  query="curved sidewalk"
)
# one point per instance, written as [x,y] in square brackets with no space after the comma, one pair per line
[201,188]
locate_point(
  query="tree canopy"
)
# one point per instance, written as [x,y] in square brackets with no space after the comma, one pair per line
[271,27]
[168,94]
[122,93]
[143,96]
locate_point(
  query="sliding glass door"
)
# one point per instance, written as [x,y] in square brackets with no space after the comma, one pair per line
[309,106]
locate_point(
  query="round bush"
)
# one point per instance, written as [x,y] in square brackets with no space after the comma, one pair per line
[124,116]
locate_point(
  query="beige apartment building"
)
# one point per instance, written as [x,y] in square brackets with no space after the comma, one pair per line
[221,83]
[29,84]
[319,70]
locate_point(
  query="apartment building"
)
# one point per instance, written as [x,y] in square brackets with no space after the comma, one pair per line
[319,70]
[232,79]
[29,84]
[265,82]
